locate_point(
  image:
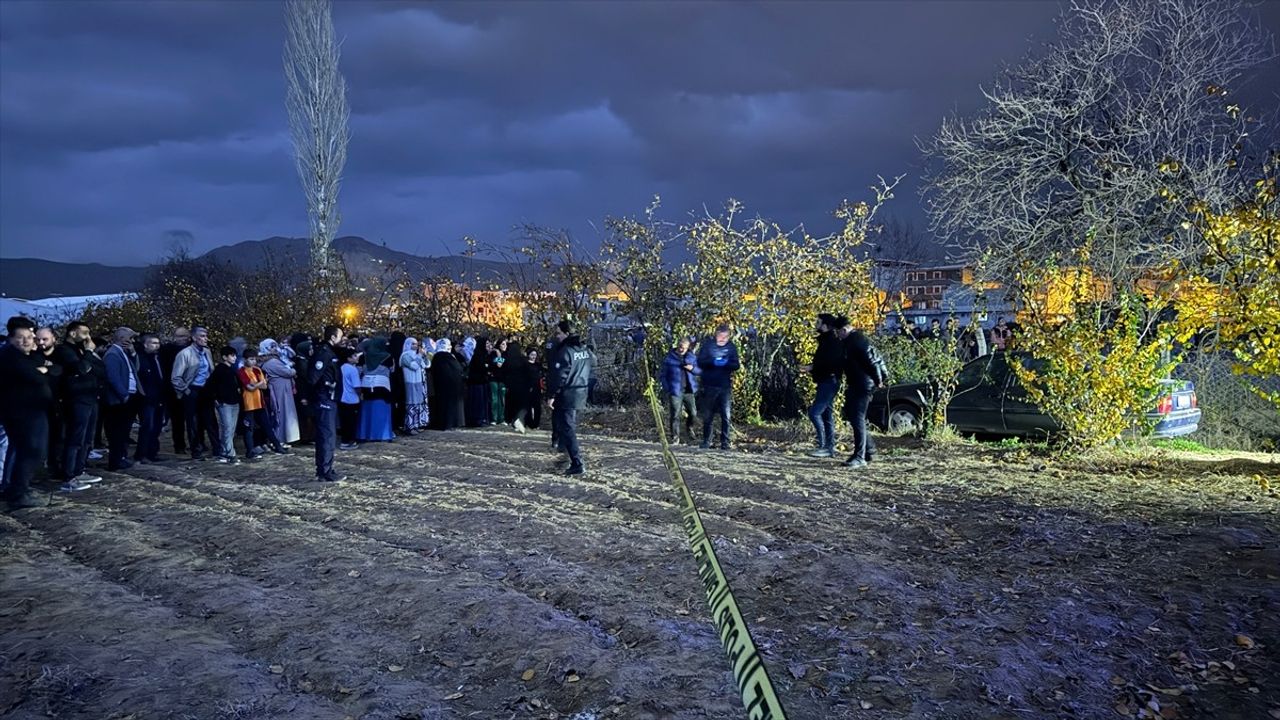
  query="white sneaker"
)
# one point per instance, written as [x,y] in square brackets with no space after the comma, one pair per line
[820,453]
[86,479]
[96,454]
[519,426]
[74,486]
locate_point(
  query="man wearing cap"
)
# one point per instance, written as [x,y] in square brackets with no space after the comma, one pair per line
[567,384]
[122,397]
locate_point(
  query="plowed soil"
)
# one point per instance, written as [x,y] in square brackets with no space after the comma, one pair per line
[458,575]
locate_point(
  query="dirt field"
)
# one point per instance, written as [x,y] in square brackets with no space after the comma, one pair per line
[455,576]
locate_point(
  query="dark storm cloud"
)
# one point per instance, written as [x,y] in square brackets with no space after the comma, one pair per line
[122,121]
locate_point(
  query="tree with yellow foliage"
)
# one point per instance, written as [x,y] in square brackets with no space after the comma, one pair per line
[1233,291]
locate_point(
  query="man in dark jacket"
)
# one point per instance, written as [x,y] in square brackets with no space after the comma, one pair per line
[718,360]
[80,394]
[47,346]
[568,381]
[324,378]
[152,387]
[827,365]
[680,373]
[24,409]
[861,378]
[122,397]
[173,409]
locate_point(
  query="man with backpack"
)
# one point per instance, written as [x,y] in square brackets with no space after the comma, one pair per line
[864,371]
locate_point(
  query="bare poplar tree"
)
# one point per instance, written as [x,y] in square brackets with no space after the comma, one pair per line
[318,118]
[1109,135]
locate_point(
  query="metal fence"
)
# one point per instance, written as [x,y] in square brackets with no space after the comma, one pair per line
[1234,416]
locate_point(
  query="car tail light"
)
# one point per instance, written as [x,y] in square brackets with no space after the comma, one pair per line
[1194,401]
[1166,405]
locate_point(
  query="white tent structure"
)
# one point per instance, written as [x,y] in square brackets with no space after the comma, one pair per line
[55,310]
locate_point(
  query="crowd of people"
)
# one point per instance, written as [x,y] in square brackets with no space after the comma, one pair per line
[335,391]
[340,391]
[969,342]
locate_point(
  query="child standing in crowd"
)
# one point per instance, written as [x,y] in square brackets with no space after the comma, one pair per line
[226,398]
[349,406]
[252,382]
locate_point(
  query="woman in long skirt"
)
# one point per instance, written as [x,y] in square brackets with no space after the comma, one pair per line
[414,362]
[447,386]
[518,380]
[280,382]
[375,408]
[478,385]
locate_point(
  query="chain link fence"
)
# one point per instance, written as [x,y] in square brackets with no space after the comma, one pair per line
[1233,416]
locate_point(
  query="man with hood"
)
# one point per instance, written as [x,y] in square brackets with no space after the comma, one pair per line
[828,363]
[568,380]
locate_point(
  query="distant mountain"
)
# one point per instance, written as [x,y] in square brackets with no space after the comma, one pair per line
[31,279]
[369,265]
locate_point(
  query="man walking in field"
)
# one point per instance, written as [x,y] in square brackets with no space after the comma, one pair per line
[861,378]
[718,360]
[828,363]
[568,382]
[680,380]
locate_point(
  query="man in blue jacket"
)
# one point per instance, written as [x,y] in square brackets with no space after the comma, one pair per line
[718,360]
[680,373]
[122,395]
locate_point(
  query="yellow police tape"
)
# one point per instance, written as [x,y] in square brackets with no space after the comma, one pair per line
[749,672]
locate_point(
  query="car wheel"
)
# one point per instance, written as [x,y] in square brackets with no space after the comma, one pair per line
[904,420]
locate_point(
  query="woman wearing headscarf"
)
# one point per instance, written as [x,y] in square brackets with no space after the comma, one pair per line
[280,383]
[478,385]
[498,382]
[518,379]
[375,408]
[468,348]
[414,362]
[447,384]
[396,345]
[301,343]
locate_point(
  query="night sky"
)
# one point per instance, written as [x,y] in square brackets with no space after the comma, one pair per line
[124,122]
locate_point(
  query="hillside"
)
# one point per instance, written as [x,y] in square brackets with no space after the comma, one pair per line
[367,262]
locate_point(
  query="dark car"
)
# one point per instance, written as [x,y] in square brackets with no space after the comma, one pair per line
[990,400]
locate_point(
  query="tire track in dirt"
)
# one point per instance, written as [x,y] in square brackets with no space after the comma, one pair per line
[682,656]
[232,587]
[574,588]
[43,615]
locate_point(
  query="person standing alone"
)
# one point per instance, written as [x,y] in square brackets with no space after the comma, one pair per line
[569,380]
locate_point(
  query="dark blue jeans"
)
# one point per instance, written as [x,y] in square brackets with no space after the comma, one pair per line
[821,413]
[855,410]
[565,419]
[326,417]
[150,421]
[717,401]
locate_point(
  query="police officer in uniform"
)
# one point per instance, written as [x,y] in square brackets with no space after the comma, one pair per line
[324,375]
[567,384]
